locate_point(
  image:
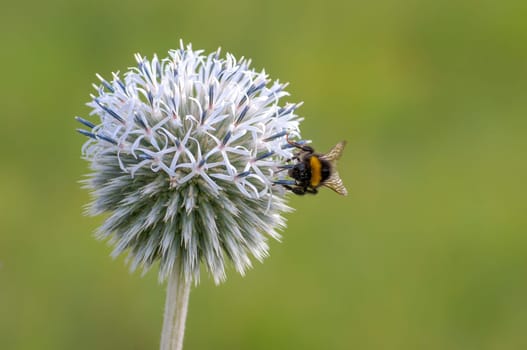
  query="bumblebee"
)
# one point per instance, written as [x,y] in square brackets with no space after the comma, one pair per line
[313,170]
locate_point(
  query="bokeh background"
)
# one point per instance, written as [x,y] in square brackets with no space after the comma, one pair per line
[429,251]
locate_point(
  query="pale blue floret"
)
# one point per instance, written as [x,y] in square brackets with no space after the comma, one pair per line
[85,122]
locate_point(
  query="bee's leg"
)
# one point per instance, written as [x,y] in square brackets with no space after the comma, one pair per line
[304,148]
[299,190]
[311,190]
[295,189]
[283,167]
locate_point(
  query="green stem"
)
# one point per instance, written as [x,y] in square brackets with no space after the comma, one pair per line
[178,291]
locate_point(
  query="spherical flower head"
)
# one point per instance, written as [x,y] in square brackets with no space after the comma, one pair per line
[183,157]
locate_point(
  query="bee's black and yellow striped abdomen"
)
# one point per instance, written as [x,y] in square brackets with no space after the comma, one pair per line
[320,171]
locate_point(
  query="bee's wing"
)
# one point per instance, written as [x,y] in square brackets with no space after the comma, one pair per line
[335,152]
[334,182]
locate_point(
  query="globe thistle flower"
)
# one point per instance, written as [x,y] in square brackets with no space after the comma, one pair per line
[184,154]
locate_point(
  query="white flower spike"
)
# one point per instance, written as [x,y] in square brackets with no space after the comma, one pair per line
[183,157]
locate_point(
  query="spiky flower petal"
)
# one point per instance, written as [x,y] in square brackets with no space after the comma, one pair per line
[183,158]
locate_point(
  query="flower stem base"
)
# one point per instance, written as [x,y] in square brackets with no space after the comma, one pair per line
[176,305]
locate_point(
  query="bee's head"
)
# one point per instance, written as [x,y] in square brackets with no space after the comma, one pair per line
[299,172]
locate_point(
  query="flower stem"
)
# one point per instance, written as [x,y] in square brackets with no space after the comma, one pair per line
[178,291]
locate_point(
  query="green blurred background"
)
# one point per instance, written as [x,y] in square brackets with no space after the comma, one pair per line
[429,251]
